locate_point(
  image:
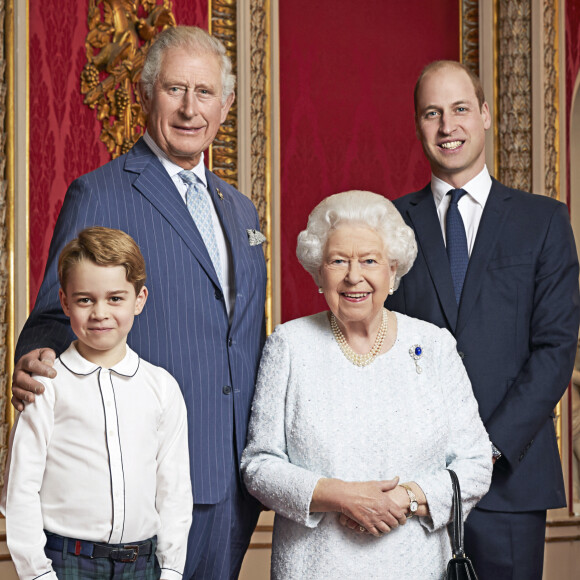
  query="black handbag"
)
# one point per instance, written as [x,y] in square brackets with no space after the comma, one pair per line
[460,566]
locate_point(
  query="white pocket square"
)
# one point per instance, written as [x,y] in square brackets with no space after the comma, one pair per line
[255,237]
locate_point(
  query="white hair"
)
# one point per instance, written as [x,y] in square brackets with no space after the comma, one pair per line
[357,208]
[194,39]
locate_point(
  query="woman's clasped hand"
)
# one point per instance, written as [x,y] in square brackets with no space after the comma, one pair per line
[373,507]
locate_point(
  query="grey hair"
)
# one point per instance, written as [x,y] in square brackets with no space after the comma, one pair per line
[357,208]
[195,39]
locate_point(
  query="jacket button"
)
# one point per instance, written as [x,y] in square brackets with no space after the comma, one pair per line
[230,341]
[227,390]
[461,354]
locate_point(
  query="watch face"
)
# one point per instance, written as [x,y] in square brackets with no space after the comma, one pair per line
[413,507]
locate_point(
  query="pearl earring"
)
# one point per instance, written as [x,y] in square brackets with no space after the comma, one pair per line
[391,290]
[320,291]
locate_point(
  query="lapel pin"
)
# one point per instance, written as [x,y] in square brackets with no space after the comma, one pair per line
[220,194]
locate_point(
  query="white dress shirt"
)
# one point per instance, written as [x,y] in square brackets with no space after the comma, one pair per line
[220,237]
[101,456]
[470,206]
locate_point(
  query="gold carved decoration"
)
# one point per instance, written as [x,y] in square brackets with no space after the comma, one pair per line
[469,34]
[120,33]
[552,130]
[224,151]
[6,224]
[261,134]
[551,98]
[514,94]
[260,83]
[223,155]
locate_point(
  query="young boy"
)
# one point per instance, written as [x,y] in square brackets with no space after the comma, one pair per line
[97,481]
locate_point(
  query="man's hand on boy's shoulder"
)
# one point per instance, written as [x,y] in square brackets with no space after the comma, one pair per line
[38,361]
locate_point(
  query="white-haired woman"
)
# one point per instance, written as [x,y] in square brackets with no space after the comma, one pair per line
[359,411]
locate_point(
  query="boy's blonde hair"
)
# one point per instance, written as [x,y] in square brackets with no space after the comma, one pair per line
[104,247]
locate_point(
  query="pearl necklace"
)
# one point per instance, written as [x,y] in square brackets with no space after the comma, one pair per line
[360,360]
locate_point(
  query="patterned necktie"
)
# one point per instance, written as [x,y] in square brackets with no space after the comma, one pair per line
[456,242]
[197,201]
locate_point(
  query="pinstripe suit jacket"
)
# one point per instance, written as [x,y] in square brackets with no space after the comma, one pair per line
[184,327]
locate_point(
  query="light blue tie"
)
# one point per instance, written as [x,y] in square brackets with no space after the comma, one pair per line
[456,242]
[197,201]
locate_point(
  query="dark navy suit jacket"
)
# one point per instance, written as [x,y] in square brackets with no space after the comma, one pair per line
[184,326]
[516,329]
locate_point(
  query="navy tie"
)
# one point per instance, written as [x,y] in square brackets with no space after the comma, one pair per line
[456,242]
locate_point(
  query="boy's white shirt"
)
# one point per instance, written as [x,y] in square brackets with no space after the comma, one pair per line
[101,456]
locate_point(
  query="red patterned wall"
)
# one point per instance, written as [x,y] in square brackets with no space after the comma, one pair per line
[347,72]
[64,133]
[572,71]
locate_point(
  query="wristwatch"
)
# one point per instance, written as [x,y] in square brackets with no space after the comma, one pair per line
[413,503]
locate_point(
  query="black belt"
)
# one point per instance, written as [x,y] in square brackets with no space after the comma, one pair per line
[117,552]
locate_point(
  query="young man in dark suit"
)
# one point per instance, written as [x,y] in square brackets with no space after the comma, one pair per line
[200,238]
[498,268]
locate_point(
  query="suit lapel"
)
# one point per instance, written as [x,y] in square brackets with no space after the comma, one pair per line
[154,183]
[494,215]
[423,216]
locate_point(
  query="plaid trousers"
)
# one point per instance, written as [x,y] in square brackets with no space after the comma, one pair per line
[71,567]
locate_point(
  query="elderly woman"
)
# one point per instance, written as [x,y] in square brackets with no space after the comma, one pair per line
[359,411]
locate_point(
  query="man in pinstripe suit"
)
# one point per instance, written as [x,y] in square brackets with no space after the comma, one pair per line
[205,321]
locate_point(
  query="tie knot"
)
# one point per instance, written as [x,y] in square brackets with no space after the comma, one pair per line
[188,177]
[456,194]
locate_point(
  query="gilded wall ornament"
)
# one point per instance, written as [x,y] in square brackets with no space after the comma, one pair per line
[120,33]
[551,100]
[224,150]
[514,94]
[6,233]
[261,133]
[469,36]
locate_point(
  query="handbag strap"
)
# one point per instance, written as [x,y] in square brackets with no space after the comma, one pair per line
[457,522]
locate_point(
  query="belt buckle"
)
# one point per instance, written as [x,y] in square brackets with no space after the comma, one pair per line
[132,557]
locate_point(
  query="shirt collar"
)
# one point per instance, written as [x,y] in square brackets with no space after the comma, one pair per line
[478,188]
[77,364]
[172,168]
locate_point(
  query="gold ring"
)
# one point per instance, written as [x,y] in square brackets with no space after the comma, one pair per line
[362,529]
